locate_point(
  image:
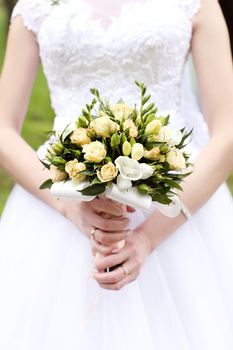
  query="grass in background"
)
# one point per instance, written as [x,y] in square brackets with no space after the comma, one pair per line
[39,116]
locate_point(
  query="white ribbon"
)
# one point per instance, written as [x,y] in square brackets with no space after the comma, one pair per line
[130,197]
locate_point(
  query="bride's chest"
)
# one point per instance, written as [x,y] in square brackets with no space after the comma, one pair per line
[153,29]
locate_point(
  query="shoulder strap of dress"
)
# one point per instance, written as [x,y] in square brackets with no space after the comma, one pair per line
[190,7]
[33,12]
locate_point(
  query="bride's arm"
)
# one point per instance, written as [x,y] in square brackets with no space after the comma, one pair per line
[213,63]
[17,78]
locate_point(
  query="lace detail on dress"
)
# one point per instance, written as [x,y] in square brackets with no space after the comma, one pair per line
[33,12]
[191,7]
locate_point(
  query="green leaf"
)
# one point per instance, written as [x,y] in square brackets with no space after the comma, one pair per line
[180,175]
[148,108]
[158,197]
[145,99]
[46,165]
[87,172]
[95,92]
[94,190]
[95,181]
[46,184]
[186,135]
[173,184]
[150,145]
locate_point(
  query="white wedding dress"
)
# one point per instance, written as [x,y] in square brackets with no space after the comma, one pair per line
[183,298]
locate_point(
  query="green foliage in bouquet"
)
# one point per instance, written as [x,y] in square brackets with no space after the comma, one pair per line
[119,144]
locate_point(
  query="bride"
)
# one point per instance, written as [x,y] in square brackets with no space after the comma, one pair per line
[173,289]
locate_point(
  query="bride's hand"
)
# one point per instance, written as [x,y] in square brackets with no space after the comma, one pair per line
[110,228]
[132,256]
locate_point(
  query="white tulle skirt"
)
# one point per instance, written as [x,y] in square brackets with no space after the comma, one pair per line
[182,300]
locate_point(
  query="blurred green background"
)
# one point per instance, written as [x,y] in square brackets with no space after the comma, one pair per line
[39,116]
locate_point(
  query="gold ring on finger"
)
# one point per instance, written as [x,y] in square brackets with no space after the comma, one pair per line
[93,233]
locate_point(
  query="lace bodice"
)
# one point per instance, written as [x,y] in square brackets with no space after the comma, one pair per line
[149,41]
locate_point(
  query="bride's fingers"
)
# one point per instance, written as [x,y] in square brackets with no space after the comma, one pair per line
[107,206]
[110,225]
[120,284]
[113,260]
[107,238]
[114,276]
[102,249]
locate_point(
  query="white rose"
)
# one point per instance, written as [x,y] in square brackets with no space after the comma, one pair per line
[168,135]
[176,159]
[94,152]
[137,151]
[129,168]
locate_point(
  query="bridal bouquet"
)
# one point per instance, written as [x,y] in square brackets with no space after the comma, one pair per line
[129,154]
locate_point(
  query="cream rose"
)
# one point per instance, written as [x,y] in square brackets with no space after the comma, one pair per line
[129,168]
[121,111]
[94,152]
[56,174]
[137,151]
[80,137]
[176,159]
[73,168]
[108,172]
[104,126]
[129,124]
[153,154]
[168,135]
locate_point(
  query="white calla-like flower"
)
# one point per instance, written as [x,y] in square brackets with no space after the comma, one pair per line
[147,171]
[123,184]
[129,168]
